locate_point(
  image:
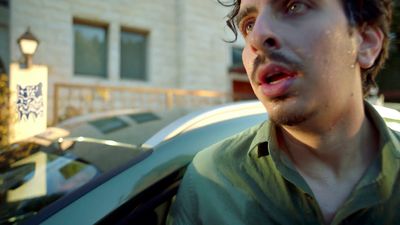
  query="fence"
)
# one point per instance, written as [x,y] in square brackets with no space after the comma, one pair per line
[75,99]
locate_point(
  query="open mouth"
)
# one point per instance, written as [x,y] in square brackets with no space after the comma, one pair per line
[276,80]
[277,77]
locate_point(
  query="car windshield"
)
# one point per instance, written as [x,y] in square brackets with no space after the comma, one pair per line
[34,174]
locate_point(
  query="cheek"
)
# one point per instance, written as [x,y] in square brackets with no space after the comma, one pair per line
[332,52]
[324,51]
[248,57]
[334,56]
[248,60]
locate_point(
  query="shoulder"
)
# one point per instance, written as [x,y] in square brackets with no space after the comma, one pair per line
[224,155]
[233,146]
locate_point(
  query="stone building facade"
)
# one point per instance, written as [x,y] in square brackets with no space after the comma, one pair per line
[185,46]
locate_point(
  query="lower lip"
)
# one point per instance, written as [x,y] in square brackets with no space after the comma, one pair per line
[277,89]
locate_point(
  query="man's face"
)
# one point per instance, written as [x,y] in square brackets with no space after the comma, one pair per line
[301,58]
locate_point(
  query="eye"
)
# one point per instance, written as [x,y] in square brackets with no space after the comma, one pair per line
[296,8]
[247,26]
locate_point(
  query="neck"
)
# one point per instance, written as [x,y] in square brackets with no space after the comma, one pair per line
[334,160]
[335,147]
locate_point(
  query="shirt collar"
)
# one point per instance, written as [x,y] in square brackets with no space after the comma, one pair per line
[387,136]
[378,181]
[389,146]
[259,145]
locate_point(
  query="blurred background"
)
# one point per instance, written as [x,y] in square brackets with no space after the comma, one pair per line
[108,55]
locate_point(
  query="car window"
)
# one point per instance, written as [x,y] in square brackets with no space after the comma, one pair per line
[32,175]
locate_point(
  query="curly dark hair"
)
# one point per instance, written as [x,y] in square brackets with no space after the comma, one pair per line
[359,12]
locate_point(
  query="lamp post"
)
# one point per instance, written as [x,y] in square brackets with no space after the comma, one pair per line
[28,44]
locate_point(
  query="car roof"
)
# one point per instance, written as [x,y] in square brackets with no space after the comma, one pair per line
[149,128]
[391,116]
[203,118]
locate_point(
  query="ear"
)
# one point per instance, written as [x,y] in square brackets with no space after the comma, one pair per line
[371,38]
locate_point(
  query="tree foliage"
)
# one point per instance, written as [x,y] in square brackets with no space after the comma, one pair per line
[4,110]
[5,114]
[388,79]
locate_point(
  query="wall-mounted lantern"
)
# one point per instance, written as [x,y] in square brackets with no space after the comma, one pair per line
[28,44]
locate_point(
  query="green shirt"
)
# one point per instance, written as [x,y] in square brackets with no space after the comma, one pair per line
[246,179]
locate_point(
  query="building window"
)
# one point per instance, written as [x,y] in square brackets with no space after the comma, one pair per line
[237,64]
[133,54]
[90,49]
[237,57]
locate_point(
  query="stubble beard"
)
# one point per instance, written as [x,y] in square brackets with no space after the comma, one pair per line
[286,118]
[282,117]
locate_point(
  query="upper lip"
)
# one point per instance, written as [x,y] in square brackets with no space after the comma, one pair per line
[273,69]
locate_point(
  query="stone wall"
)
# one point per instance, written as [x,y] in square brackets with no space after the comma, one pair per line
[186,48]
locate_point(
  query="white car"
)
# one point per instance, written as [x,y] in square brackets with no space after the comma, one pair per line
[109,175]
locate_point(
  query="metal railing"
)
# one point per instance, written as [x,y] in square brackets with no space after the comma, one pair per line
[77,99]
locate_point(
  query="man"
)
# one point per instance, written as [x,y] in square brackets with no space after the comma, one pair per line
[325,156]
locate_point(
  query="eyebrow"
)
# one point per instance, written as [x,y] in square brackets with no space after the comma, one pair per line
[244,12]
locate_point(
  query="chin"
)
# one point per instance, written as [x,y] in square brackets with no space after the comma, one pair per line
[287,111]
[284,119]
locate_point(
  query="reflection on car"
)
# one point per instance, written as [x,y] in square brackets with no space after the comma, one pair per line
[118,168]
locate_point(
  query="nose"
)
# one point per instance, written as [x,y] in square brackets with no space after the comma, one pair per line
[263,36]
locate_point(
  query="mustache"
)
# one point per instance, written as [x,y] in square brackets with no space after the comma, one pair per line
[275,57]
